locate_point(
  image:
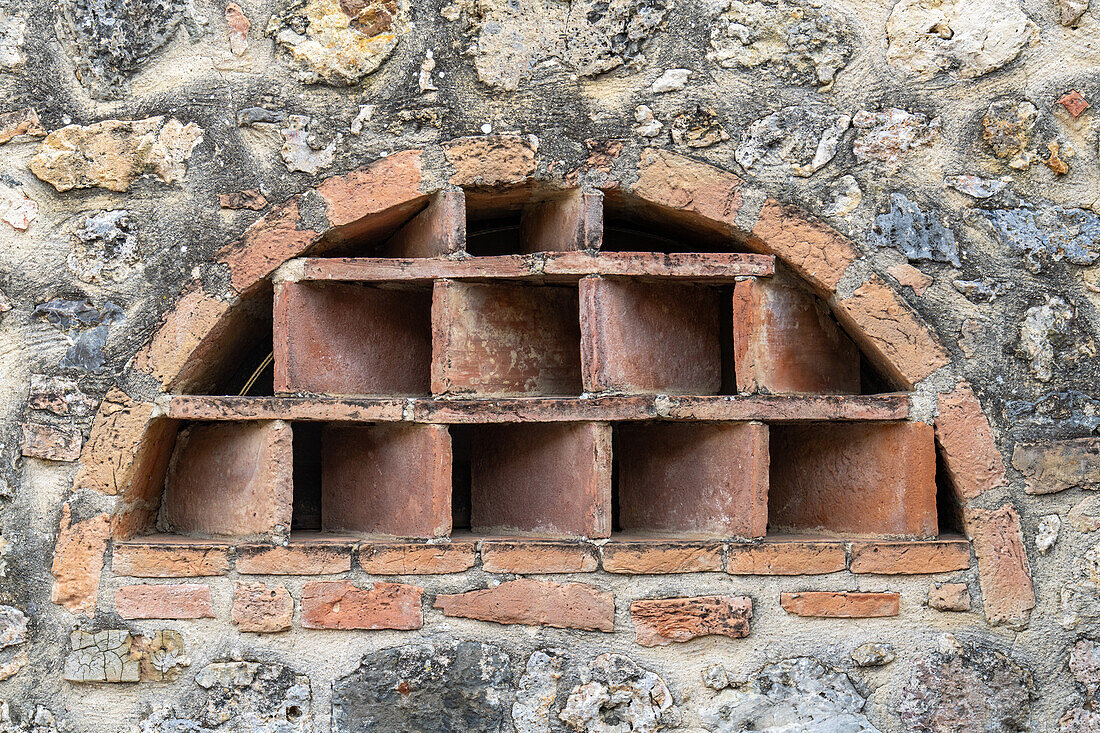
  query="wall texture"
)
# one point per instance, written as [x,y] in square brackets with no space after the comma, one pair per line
[951,142]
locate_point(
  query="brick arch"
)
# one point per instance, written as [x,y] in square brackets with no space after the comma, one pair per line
[204,324]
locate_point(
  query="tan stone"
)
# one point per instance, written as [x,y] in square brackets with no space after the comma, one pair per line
[827,604]
[490,160]
[786,558]
[250,198]
[51,443]
[175,601]
[531,557]
[815,250]
[1003,573]
[114,153]
[260,609]
[20,122]
[911,557]
[78,561]
[161,560]
[661,557]
[337,604]
[293,559]
[162,658]
[1059,465]
[662,621]
[949,597]
[535,602]
[892,334]
[963,433]
[399,558]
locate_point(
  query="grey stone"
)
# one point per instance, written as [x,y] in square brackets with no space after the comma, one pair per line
[1043,324]
[42,721]
[1084,664]
[965,684]
[985,290]
[800,41]
[59,395]
[1070,11]
[845,195]
[799,695]
[801,139]
[13,30]
[102,656]
[1066,412]
[917,233]
[258,115]
[440,686]
[105,247]
[673,80]
[873,654]
[87,326]
[302,151]
[13,636]
[1046,532]
[887,135]
[1042,234]
[698,127]
[976,186]
[715,677]
[618,696]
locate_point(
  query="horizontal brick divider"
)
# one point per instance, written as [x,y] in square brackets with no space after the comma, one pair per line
[417,558]
[534,556]
[295,559]
[168,560]
[910,558]
[662,621]
[178,601]
[535,602]
[830,604]
[546,266]
[793,557]
[653,557]
[769,408]
[337,604]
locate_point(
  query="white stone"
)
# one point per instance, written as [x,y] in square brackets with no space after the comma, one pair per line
[673,80]
[1046,534]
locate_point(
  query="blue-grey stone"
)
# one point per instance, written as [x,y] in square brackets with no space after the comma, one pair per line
[917,233]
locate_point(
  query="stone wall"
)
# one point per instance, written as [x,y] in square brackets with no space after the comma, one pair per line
[938,158]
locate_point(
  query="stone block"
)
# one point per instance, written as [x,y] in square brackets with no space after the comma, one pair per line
[658,622]
[697,478]
[338,604]
[966,439]
[535,602]
[1003,572]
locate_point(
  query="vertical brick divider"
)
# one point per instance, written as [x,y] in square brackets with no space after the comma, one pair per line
[437,231]
[569,221]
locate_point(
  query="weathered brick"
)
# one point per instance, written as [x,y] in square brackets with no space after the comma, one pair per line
[337,604]
[911,557]
[1003,573]
[168,560]
[1058,465]
[889,490]
[793,557]
[785,340]
[51,443]
[893,336]
[949,597]
[828,604]
[535,602]
[230,479]
[260,609]
[658,622]
[656,556]
[294,559]
[675,181]
[969,453]
[811,247]
[78,561]
[179,601]
[265,245]
[385,185]
[408,558]
[490,160]
[531,557]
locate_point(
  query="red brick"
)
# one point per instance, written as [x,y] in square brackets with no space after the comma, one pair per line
[785,340]
[786,558]
[811,247]
[490,160]
[260,609]
[662,621]
[549,478]
[321,345]
[1003,573]
[827,604]
[230,479]
[893,336]
[656,556]
[374,192]
[293,559]
[168,560]
[910,558]
[969,453]
[678,182]
[386,479]
[649,337]
[268,243]
[531,557]
[698,478]
[338,604]
[51,443]
[535,602]
[500,340]
[78,561]
[1074,103]
[436,231]
[863,478]
[572,220]
[949,597]
[1058,465]
[182,601]
[407,558]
